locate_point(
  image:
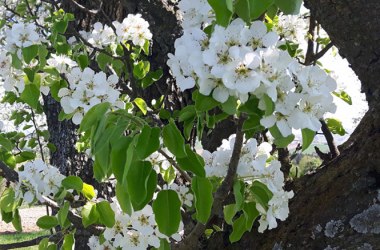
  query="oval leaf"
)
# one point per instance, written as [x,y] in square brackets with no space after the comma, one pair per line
[47,222]
[167,211]
[202,189]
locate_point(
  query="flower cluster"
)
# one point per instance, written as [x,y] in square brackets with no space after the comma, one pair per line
[62,63]
[183,193]
[254,165]
[195,13]
[13,79]
[159,162]
[13,39]
[136,231]
[86,89]
[291,27]
[303,106]
[133,28]
[243,61]
[40,179]
[21,35]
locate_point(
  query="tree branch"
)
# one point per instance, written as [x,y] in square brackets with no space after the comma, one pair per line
[32,242]
[330,139]
[175,165]
[322,52]
[8,173]
[191,241]
[83,8]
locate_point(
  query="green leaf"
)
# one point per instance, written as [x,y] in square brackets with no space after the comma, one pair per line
[335,126]
[47,222]
[169,175]
[93,116]
[73,182]
[205,103]
[152,77]
[173,140]
[238,229]
[88,191]
[6,216]
[251,214]
[230,106]
[62,214]
[141,69]
[202,188]
[10,160]
[141,183]
[258,7]
[279,140]
[60,26]
[141,104]
[238,189]
[30,73]
[52,247]
[269,105]
[187,113]
[5,143]
[118,156]
[16,221]
[42,54]
[164,245]
[229,212]
[261,193]
[272,11]
[7,200]
[252,123]
[89,214]
[251,107]
[83,61]
[103,60]
[167,211]
[106,214]
[2,23]
[192,162]
[123,198]
[151,135]
[30,95]
[307,138]
[16,62]
[344,96]
[68,242]
[29,53]
[43,244]
[289,7]
[222,11]
[242,9]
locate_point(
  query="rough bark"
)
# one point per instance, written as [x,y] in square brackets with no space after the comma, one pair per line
[339,206]
[333,207]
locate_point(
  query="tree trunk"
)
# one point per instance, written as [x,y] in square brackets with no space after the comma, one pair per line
[339,206]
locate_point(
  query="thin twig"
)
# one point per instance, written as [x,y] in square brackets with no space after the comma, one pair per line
[322,52]
[175,165]
[38,136]
[85,9]
[32,242]
[330,139]
[190,242]
[310,42]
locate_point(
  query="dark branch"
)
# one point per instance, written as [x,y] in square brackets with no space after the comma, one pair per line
[83,8]
[32,242]
[322,52]
[175,165]
[330,140]
[8,173]
[191,241]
